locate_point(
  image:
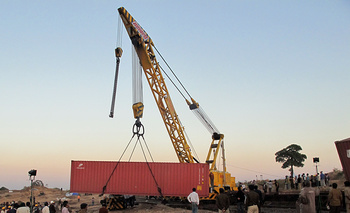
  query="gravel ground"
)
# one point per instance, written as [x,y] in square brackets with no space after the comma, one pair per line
[144,205]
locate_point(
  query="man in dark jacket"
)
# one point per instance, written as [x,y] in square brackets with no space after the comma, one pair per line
[223,202]
[252,200]
[240,200]
[52,207]
[335,199]
[256,189]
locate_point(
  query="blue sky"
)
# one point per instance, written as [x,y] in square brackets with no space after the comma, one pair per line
[268,74]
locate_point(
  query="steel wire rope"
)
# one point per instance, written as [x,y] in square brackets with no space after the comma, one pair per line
[154,178]
[119,33]
[204,117]
[171,80]
[118,44]
[138,141]
[137,88]
[210,125]
[178,80]
[132,152]
[201,115]
[149,152]
[105,186]
[220,157]
[190,142]
[185,99]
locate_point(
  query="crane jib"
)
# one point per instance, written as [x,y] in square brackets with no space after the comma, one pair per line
[143,34]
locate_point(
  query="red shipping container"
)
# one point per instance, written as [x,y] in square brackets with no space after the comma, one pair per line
[343,148]
[136,178]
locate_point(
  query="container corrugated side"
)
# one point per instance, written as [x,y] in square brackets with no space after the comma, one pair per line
[139,178]
[343,148]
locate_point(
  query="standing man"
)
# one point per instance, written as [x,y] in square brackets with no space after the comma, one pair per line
[291,180]
[265,188]
[299,182]
[211,177]
[240,200]
[309,194]
[307,178]
[256,189]
[277,186]
[52,207]
[194,200]
[286,183]
[83,208]
[65,207]
[60,203]
[318,179]
[22,209]
[335,199]
[223,202]
[347,196]
[252,200]
[46,208]
[270,186]
[323,179]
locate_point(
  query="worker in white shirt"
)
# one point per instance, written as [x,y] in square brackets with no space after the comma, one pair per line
[194,200]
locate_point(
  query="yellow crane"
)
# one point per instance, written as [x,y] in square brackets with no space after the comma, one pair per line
[144,48]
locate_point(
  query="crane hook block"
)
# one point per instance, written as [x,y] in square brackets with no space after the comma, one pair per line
[118,52]
[138,109]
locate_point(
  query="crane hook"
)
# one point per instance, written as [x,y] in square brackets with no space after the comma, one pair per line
[138,129]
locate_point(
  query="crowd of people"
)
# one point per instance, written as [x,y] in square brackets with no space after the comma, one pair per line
[299,181]
[309,190]
[306,201]
[250,199]
[21,207]
[53,207]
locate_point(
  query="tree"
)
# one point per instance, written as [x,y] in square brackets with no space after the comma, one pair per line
[291,157]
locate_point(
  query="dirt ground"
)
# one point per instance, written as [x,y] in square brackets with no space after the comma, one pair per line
[43,194]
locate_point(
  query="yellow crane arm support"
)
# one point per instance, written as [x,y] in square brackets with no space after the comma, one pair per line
[144,49]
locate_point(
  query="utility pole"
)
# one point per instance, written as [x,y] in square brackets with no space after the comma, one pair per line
[318,208]
[32,174]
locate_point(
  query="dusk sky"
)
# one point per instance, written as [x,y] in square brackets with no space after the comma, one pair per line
[267,73]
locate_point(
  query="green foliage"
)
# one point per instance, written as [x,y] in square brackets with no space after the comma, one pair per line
[291,157]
